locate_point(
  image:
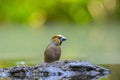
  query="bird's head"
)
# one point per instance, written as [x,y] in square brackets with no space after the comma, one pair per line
[58,39]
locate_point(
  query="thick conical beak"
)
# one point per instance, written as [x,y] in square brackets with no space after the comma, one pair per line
[63,39]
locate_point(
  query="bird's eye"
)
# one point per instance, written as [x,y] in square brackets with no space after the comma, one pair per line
[60,37]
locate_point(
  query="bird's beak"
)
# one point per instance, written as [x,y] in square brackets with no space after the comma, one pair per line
[63,39]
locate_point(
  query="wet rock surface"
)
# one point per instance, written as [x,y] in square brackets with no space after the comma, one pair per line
[70,70]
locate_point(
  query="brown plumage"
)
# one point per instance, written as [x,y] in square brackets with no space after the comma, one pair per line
[53,51]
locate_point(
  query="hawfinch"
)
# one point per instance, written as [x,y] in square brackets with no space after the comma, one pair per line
[53,51]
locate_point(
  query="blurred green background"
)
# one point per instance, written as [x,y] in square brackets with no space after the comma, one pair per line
[91,27]
[38,13]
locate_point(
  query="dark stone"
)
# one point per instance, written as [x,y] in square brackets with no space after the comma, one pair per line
[58,70]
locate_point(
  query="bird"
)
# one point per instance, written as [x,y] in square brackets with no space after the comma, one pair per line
[53,50]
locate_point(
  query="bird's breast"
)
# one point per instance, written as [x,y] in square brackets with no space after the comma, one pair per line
[53,53]
[56,50]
